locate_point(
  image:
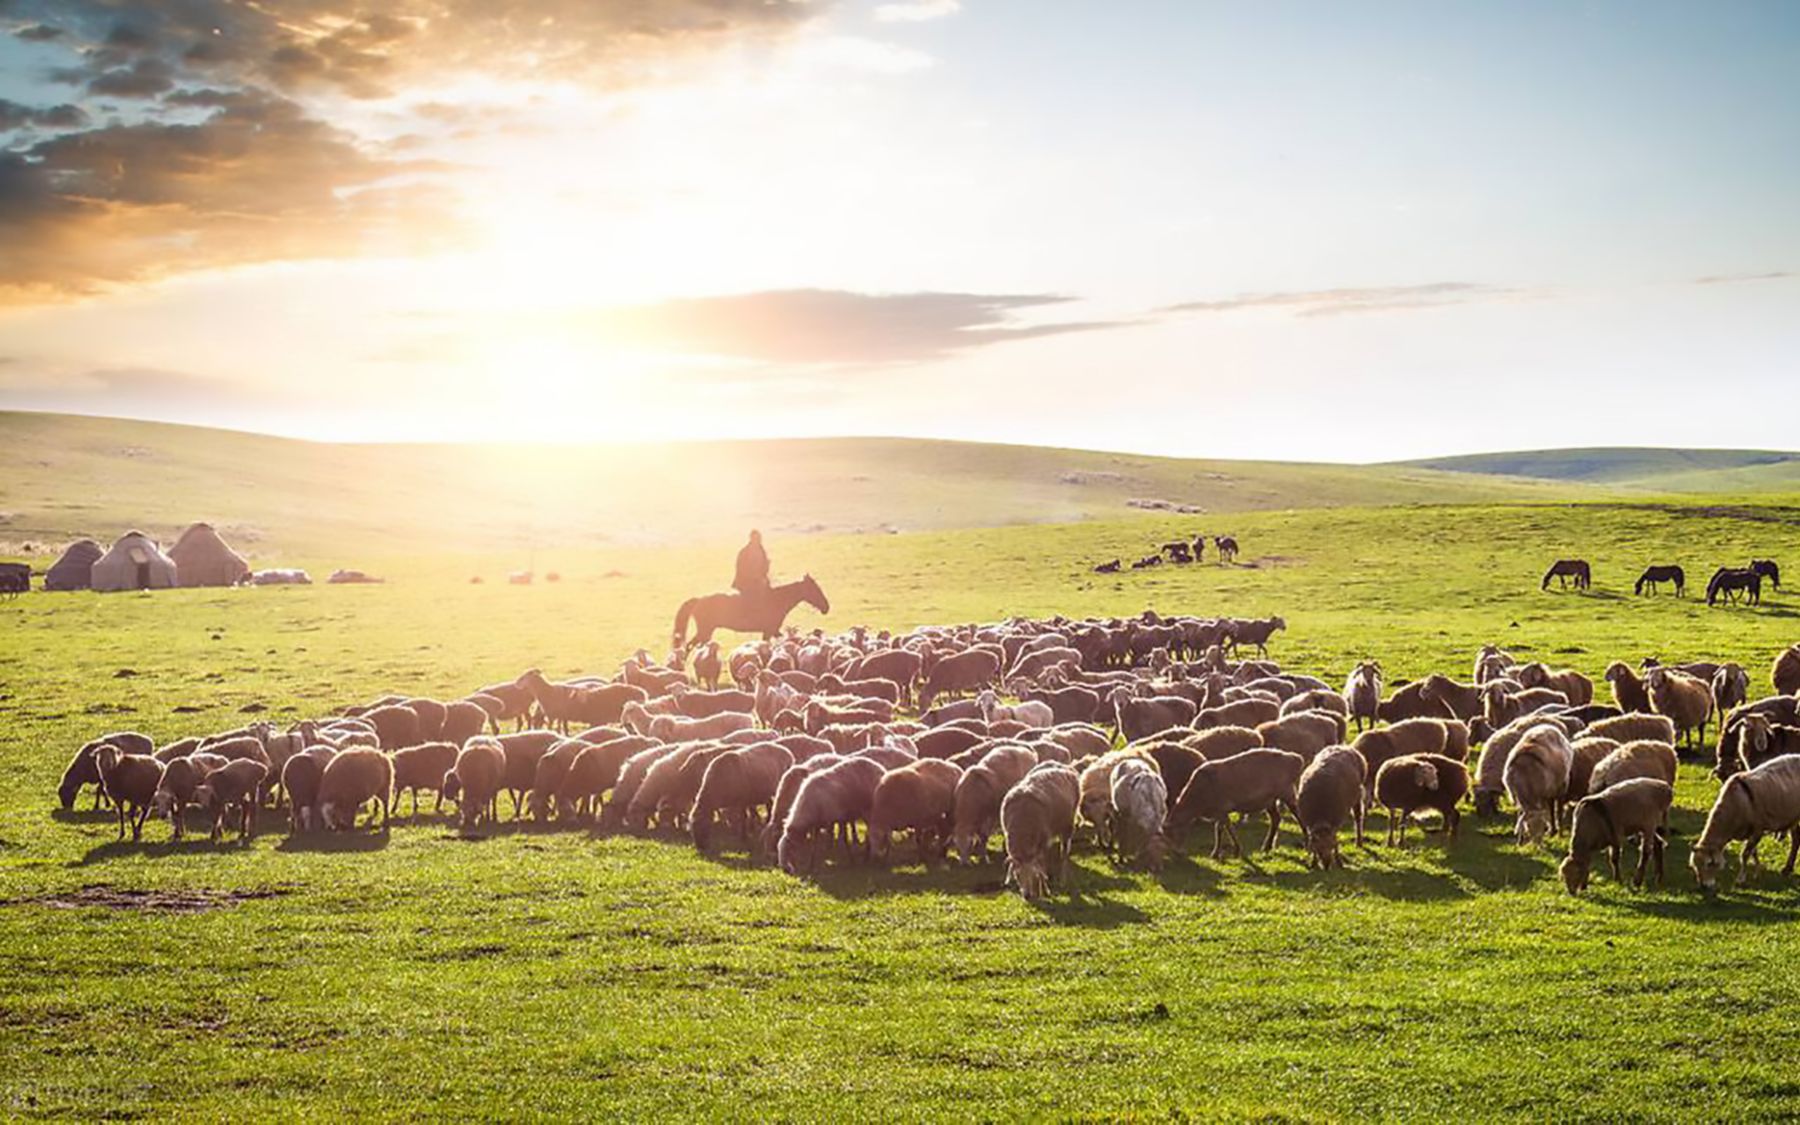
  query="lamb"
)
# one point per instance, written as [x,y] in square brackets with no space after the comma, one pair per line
[232,787]
[1730,688]
[1634,759]
[1408,737]
[1038,818]
[834,797]
[1577,688]
[1685,700]
[960,672]
[300,780]
[679,728]
[1536,777]
[1785,672]
[1242,713]
[1329,793]
[423,767]
[735,785]
[351,780]
[1305,734]
[920,796]
[546,782]
[129,781]
[979,793]
[180,779]
[1628,689]
[1637,807]
[1363,692]
[1413,782]
[1749,806]
[1140,804]
[1255,780]
[476,780]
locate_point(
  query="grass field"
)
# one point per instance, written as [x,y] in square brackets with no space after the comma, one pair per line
[550,973]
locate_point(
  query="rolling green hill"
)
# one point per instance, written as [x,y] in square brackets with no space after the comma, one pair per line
[67,476]
[1667,470]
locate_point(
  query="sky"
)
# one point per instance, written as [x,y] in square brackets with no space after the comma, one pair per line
[1294,231]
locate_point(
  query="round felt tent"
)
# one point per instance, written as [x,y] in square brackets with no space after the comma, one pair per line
[75,570]
[204,559]
[135,562]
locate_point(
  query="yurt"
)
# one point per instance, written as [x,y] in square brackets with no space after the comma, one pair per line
[134,563]
[75,570]
[204,559]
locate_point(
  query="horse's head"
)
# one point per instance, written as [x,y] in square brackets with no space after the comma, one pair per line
[813,595]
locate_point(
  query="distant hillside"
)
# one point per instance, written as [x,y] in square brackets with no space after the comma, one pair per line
[1676,470]
[66,476]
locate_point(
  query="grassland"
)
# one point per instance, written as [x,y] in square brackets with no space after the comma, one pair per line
[1638,469]
[549,973]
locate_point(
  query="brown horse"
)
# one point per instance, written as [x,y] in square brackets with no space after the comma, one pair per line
[1565,569]
[744,613]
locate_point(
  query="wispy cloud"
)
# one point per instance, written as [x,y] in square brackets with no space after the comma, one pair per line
[1338,302]
[1727,278]
[916,11]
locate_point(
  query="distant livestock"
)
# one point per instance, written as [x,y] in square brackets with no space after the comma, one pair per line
[1728,582]
[1655,576]
[1566,571]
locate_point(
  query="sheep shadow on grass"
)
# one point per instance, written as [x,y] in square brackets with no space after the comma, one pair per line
[360,840]
[193,844]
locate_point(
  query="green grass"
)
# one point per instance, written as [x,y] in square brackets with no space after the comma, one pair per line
[550,973]
[1646,469]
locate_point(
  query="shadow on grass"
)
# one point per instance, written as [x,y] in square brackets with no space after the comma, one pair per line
[199,843]
[359,840]
[84,816]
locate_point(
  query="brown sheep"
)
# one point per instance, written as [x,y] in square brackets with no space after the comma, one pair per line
[463,720]
[1730,688]
[1071,704]
[833,798]
[1255,780]
[1220,742]
[548,778]
[1139,717]
[680,728]
[960,673]
[1407,737]
[232,788]
[662,780]
[1407,784]
[1605,820]
[1634,728]
[476,780]
[423,767]
[786,792]
[1645,758]
[431,715]
[1242,713]
[129,782]
[1329,794]
[1038,818]
[522,751]
[1409,702]
[1586,753]
[586,704]
[300,780]
[1462,701]
[979,793]
[1502,705]
[1685,700]
[396,725]
[706,704]
[1304,734]
[1536,777]
[181,778]
[920,796]
[1628,689]
[1750,805]
[736,784]
[594,771]
[1785,672]
[1575,687]
[352,779]
[708,666]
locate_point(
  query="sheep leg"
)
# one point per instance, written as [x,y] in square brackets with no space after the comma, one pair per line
[1274,827]
[1218,847]
[1793,851]
[121,820]
[1612,861]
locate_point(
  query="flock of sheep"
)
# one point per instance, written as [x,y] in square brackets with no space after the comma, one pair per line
[1128,732]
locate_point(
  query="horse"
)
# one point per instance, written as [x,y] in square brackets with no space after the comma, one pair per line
[1228,548]
[1199,548]
[1726,580]
[745,613]
[1563,570]
[1178,552]
[1768,569]
[1655,575]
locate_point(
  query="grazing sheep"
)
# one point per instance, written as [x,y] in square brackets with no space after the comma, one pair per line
[662,780]
[175,792]
[547,781]
[1750,805]
[1038,819]
[786,792]
[1408,784]
[1685,700]
[1304,734]
[1633,728]
[1628,689]
[834,798]
[1260,780]
[1635,807]
[129,781]
[1241,713]
[431,715]
[960,673]
[1462,701]
[1140,804]
[1328,794]
[476,780]
[736,784]
[396,725]
[1079,739]
[680,728]
[1363,692]
[1785,672]
[920,796]
[423,767]
[979,793]
[522,750]
[1634,759]
[1730,688]
[300,780]
[1139,717]
[595,770]
[232,788]
[1586,752]
[1575,687]
[1490,785]
[1536,777]
[1095,800]
[352,779]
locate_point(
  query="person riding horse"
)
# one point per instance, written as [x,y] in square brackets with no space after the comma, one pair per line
[752,577]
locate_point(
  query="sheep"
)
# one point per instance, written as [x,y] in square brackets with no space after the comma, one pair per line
[1491,663]
[180,748]
[832,798]
[129,781]
[1409,702]
[1760,739]
[1068,704]
[1501,704]
[1035,716]
[1095,800]
[1585,753]
[547,779]
[735,785]
[1685,700]
[1750,805]
[708,666]
[662,780]
[1255,780]
[1257,632]
[1406,737]
[81,771]
[352,779]
[896,665]
[1038,819]
[1490,784]
[1633,728]
[1536,777]
[1138,717]
[277,749]
[1305,734]
[680,728]
[396,725]
[979,793]
[1363,692]
[1730,687]
[1241,713]
[1032,665]
[705,704]
[1628,689]
[1319,699]
[300,781]
[1578,689]
[476,780]
[1635,807]
[594,771]
[1412,782]
[885,691]
[961,672]
[584,703]
[423,767]
[786,792]
[431,715]
[1329,793]
[522,750]
[1785,672]
[632,773]
[1634,759]
[920,796]
[1140,803]
[233,786]
[175,791]
[1462,701]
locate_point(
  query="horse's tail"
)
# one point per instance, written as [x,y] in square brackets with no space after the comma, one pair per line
[682,616]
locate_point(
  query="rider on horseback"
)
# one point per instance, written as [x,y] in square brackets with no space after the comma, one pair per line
[752,568]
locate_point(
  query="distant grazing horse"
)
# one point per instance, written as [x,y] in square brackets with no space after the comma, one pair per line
[1227,546]
[1727,580]
[762,613]
[1768,569]
[1108,567]
[1178,552]
[1656,575]
[1563,570]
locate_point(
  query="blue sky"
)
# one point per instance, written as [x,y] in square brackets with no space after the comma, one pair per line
[1283,230]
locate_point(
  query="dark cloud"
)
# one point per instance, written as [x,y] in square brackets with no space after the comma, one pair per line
[828,326]
[38,33]
[15,116]
[1728,278]
[144,78]
[1335,302]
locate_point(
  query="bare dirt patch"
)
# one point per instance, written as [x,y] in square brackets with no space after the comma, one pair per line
[191,901]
